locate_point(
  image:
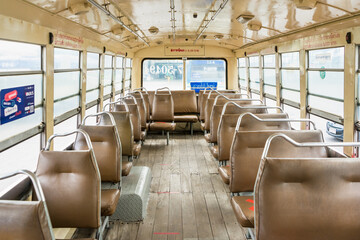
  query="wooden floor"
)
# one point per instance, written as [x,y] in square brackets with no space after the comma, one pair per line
[188,199]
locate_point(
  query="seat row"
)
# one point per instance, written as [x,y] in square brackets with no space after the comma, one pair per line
[79,187]
[284,183]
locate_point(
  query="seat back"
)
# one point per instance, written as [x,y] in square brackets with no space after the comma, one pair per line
[184,101]
[124,128]
[300,196]
[227,127]
[217,110]
[107,148]
[71,184]
[247,148]
[145,97]
[209,106]
[134,117]
[20,220]
[141,107]
[204,97]
[163,108]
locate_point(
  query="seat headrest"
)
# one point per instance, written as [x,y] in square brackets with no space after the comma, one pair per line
[163,108]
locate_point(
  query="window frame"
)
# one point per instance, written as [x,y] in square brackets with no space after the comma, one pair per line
[268,95]
[178,58]
[112,68]
[96,101]
[239,79]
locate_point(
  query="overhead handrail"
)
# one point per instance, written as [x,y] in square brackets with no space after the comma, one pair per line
[39,193]
[120,100]
[272,120]
[162,89]
[86,136]
[249,107]
[141,88]
[306,144]
[237,99]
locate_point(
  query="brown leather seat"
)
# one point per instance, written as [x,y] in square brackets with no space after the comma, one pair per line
[303,195]
[22,220]
[71,184]
[247,149]
[185,106]
[215,151]
[243,207]
[109,200]
[228,124]
[224,172]
[134,117]
[163,110]
[106,148]
[142,109]
[125,131]
[126,167]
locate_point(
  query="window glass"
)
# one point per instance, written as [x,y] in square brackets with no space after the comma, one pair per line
[270,102]
[162,73]
[66,105]
[91,120]
[290,60]
[93,79]
[92,95]
[254,78]
[291,95]
[270,76]
[107,90]
[108,61]
[119,80]
[60,143]
[332,58]
[294,113]
[270,90]
[254,61]
[242,62]
[290,79]
[332,85]
[107,77]
[119,62]
[66,84]
[21,156]
[206,71]
[127,74]
[66,59]
[16,56]
[128,62]
[269,61]
[93,60]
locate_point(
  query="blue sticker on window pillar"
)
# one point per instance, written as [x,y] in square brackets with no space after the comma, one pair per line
[16,103]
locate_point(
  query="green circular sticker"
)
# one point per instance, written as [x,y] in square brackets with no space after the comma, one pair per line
[322,73]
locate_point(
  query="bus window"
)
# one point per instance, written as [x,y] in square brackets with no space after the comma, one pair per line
[157,73]
[242,74]
[206,71]
[128,69]
[326,80]
[20,142]
[254,76]
[119,78]
[92,78]
[269,77]
[290,77]
[66,81]
[108,77]
[68,125]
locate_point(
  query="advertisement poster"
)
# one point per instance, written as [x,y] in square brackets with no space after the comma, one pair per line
[17,103]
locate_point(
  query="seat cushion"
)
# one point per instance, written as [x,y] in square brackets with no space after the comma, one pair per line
[243,207]
[207,137]
[166,126]
[109,201]
[186,118]
[136,149]
[126,167]
[215,151]
[224,172]
[142,135]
